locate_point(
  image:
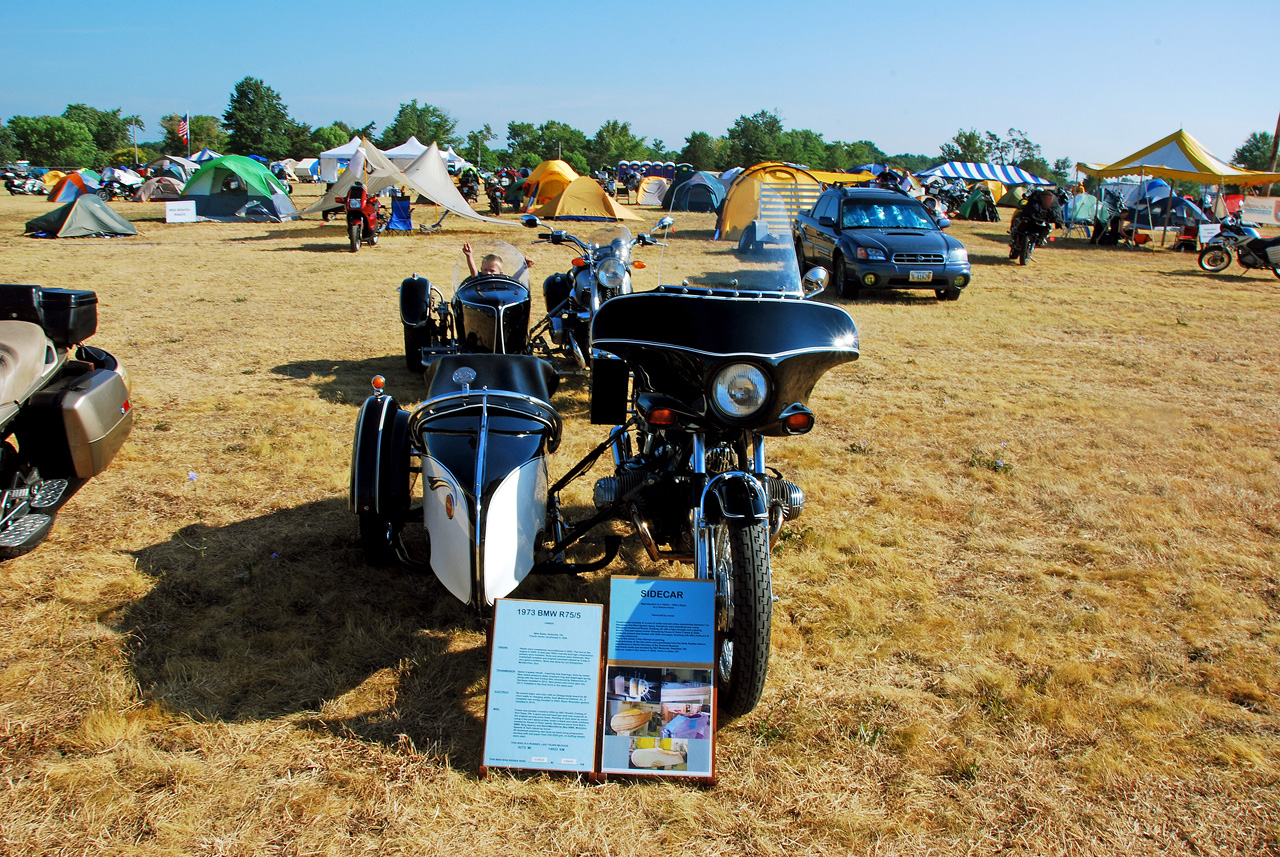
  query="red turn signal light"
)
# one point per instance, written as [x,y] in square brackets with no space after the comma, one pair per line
[797,419]
[662,417]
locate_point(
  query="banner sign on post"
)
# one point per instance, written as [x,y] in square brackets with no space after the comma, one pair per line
[182,211]
[659,705]
[1261,209]
[543,709]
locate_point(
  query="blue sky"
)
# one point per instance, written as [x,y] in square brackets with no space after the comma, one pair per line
[1110,77]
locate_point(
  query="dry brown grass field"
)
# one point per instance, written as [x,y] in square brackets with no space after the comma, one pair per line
[1073,651]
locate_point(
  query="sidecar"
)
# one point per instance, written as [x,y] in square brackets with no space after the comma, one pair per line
[479,441]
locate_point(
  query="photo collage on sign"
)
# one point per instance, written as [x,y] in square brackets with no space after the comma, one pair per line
[662,715]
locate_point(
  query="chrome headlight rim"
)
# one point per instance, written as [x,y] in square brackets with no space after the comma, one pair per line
[751,397]
[611,274]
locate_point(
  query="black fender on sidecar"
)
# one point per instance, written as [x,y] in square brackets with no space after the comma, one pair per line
[380,471]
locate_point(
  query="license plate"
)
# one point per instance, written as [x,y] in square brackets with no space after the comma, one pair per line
[921,276]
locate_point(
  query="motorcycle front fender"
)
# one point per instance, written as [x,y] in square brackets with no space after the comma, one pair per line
[734,496]
[415,305]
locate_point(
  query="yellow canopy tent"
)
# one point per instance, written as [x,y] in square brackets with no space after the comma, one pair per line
[796,190]
[546,181]
[1179,156]
[845,179]
[584,199]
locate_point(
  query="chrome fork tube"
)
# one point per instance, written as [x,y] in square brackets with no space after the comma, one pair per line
[757,456]
[702,558]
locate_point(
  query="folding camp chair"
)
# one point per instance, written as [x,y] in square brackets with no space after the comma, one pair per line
[401,216]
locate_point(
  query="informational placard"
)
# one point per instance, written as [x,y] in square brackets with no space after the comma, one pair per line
[659,704]
[543,710]
[1208,231]
[181,211]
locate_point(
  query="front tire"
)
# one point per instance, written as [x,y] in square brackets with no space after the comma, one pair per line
[947,294]
[1215,258]
[744,615]
[844,288]
[353,233]
[1025,249]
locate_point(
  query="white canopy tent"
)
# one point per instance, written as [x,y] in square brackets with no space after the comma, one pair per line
[452,160]
[334,159]
[406,153]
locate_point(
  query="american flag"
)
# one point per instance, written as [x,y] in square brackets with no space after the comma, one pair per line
[184,128]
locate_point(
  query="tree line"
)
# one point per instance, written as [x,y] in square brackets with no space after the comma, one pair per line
[257,121]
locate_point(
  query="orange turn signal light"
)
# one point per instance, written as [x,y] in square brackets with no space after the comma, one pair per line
[798,423]
[578,262]
[662,417]
[638,265]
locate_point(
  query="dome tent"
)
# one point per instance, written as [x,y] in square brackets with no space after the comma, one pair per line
[84,216]
[584,199]
[224,187]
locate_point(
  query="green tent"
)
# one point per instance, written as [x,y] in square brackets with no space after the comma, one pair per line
[85,215]
[223,187]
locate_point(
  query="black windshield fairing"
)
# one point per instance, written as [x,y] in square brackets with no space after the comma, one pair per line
[679,338]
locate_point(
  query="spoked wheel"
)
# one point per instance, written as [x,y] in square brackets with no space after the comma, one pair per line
[353,232]
[744,614]
[1025,249]
[1215,258]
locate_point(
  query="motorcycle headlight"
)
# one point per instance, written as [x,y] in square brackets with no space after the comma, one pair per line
[739,390]
[611,274]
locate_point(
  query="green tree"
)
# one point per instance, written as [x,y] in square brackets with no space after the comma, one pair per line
[330,136]
[110,130]
[299,136]
[205,133]
[700,150]
[53,141]
[578,162]
[124,157]
[545,142]
[477,148]
[8,145]
[1254,153]
[910,163]
[803,147]
[614,142]
[968,146]
[257,121]
[754,139]
[426,122]
[1060,170]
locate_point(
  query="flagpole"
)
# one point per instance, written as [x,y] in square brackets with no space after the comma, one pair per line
[188,117]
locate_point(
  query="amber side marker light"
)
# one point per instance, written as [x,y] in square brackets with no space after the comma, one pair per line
[662,417]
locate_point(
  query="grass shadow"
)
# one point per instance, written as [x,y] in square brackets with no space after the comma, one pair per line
[893,297]
[336,246]
[347,381]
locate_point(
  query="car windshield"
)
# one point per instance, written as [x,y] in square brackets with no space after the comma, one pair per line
[869,214]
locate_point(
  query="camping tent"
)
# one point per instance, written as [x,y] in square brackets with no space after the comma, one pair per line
[84,216]
[1179,156]
[1003,173]
[223,187]
[1084,210]
[335,159]
[702,192]
[406,153]
[584,199]
[651,191]
[546,181]
[980,205]
[793,190]
[52,178]
[1013,196]
[181,169]
[204,155]
[997,189]
[1150,214]
[283,169]
[69,187]
[430,177]
[159,189]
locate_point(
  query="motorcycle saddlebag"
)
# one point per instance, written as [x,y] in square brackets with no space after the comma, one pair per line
[77,424]
[68,316]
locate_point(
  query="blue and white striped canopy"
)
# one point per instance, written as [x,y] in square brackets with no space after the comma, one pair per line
[1003,173]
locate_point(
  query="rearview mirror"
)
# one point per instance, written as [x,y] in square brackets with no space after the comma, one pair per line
[814,281]
[530,221]
[664,223]
[828,222]
[943,223]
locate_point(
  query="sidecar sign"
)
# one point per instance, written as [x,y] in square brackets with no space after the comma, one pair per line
[182,211]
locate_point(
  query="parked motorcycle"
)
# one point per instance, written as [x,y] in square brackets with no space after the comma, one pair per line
[114,189]
[362,216]
[20,183]
[1251,250]
[1029,229]
[602,271]
[495,194]
[65,410]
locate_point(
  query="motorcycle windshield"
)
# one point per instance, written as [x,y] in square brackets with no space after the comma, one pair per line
[491,257]
[612,241]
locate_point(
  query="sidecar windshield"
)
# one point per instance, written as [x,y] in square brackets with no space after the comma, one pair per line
[754,244]
[491,257]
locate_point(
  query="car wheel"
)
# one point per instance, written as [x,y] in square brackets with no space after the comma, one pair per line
[844,287]
[947,294]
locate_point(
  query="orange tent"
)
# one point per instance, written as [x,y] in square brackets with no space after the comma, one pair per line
[547,180]
[71,186]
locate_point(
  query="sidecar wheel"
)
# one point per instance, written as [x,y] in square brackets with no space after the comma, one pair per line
[379,539]
[744,615]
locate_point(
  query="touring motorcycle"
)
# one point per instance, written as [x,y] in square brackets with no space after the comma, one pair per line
[601,271]
[692,378]
[361,208]
[1250,248]
[65,411]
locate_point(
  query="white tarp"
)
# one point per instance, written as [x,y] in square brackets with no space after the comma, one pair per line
[432,178]
[1261,209]
[406,153]
[337,158]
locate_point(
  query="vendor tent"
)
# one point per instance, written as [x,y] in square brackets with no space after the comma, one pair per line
[159,189]
[1179,156]
[1003,173]
[225,189]
[336,159]
[546,181]
[406,153]
[204,155]
[84,216]
[702,192]
[584,199]
[651,190]
[69,187]
[307,169]
[793,190]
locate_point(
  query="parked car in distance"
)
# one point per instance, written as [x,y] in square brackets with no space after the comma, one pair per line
[872,238]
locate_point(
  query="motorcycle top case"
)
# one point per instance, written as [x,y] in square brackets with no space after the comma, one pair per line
[68,316]
[76,425]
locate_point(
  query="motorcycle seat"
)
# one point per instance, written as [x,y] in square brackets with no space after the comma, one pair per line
[25,355]
[515,373]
